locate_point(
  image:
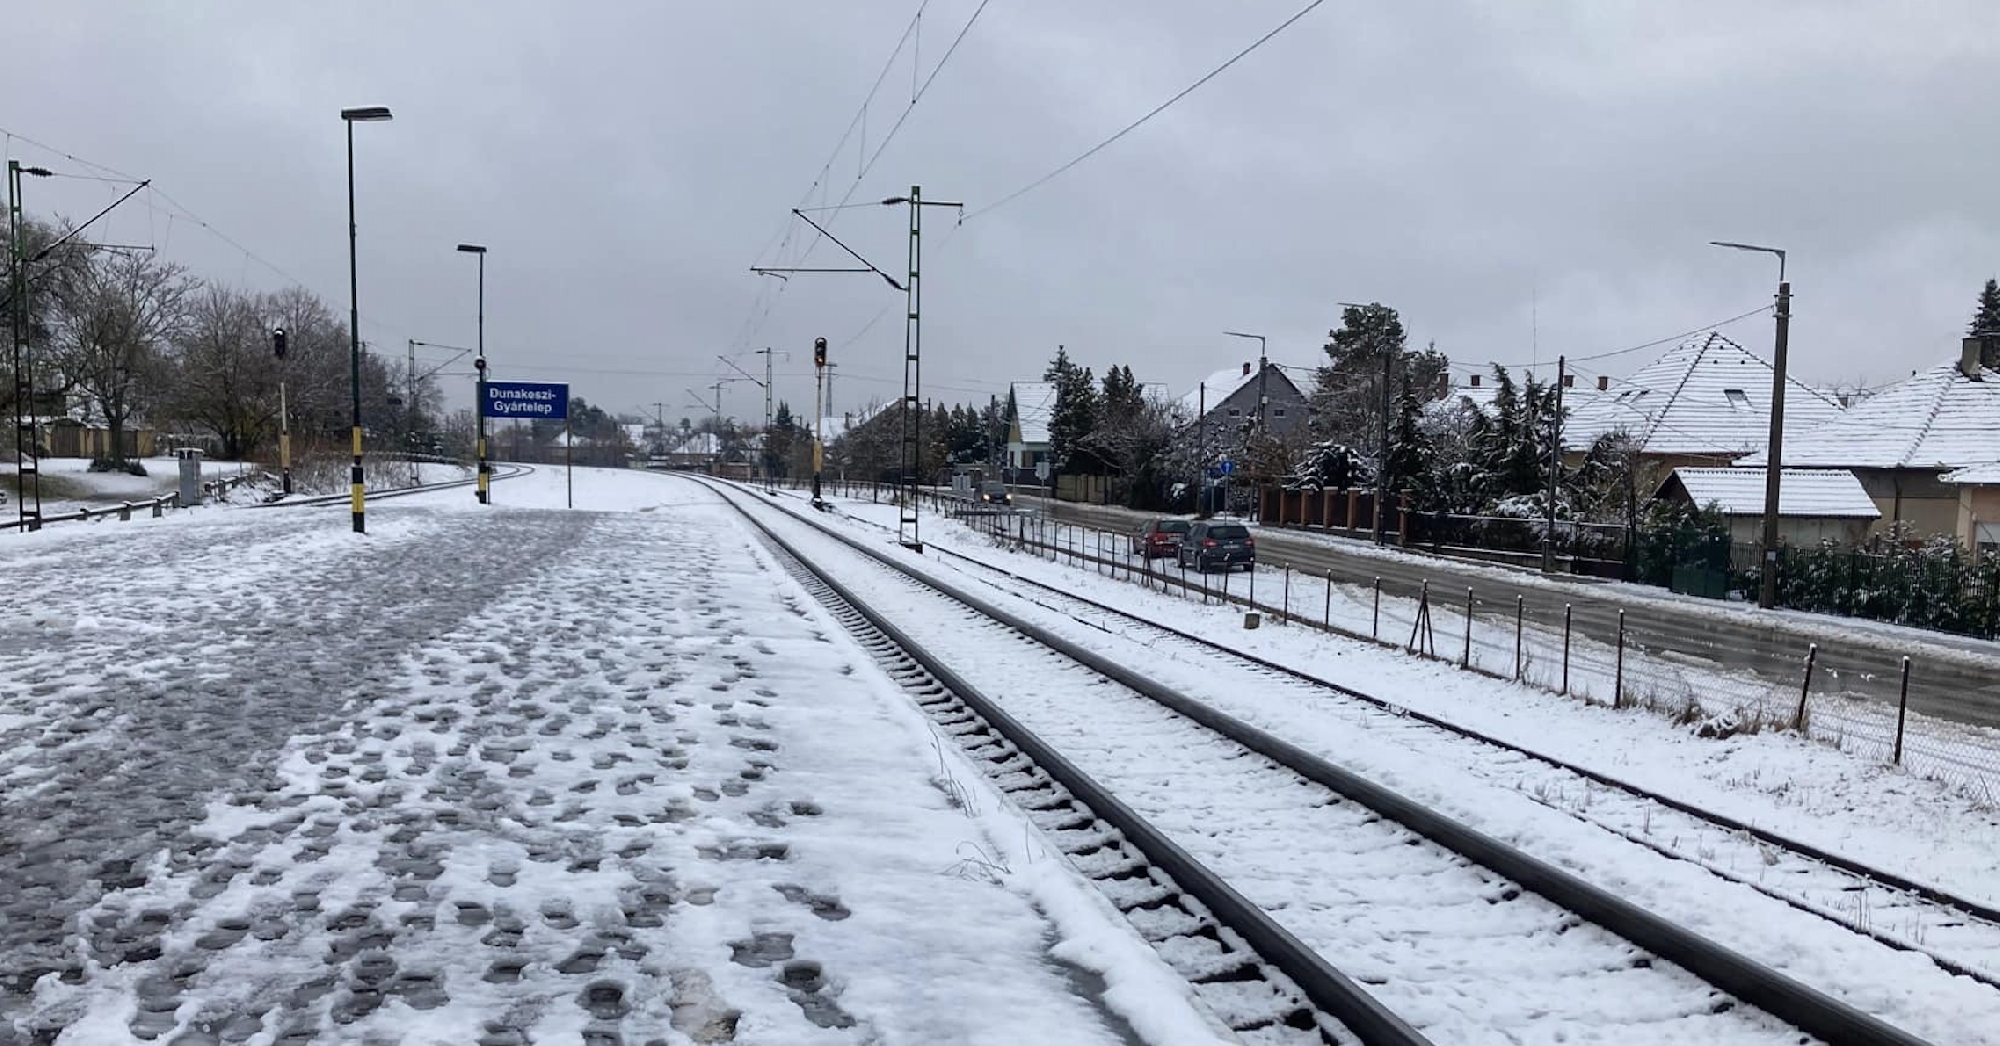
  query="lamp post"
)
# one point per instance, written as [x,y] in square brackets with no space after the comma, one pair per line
[27,463]
[1767,591]
[1262,385]
[484,493]
[352,116]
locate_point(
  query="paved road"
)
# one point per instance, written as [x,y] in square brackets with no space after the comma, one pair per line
[1771,652]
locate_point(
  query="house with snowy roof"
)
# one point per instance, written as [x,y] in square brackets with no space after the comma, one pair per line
[1706,402]
[1903,441]
[1814,505]
[1226,403]
[1028,433]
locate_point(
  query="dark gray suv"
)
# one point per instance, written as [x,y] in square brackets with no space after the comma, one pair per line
[1225,545]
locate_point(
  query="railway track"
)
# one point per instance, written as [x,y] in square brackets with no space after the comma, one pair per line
[500,472]
[1448,934]
[1958,934]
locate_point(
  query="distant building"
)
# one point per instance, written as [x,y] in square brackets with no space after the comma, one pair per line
[1814,505]
[1028,432]
[1228,401]
[1902,441]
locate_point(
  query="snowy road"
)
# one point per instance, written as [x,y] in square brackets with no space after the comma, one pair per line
[502,776]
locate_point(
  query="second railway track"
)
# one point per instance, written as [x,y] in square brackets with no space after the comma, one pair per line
[1463,937]
[1959,934]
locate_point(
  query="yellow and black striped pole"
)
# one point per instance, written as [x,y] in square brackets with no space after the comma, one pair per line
[354,480]
[368,113]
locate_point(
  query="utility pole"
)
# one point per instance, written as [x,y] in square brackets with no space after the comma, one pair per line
[912,417]
[770,484]
[27,459]
[1767,591]
[410,400]
[1555,467]
[1201,471]
[765,384]
[1382,463]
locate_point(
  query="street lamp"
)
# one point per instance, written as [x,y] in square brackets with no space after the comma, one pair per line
[1767,592]
[484,493]
[352,116]
[26,462]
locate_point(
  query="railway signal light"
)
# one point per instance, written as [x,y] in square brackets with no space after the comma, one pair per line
[819,352]
[278,342]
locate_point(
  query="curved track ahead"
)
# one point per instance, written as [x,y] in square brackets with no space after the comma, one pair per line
[1425,844]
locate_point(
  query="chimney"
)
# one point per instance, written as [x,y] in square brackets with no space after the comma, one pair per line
[1444,385]
[1603,382]
[1246,368]
[1569,381]
[1968,358]
[1475,381]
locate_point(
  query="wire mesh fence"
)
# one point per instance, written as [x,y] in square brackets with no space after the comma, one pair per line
[1693,669]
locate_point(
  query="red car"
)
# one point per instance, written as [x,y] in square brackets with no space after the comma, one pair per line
[1159,537]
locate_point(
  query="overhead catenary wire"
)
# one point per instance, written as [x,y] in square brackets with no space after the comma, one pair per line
[1655,343]
[1141,121]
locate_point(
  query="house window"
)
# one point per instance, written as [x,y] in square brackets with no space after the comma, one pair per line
[1277,412]
[1235,413]
[1738,400]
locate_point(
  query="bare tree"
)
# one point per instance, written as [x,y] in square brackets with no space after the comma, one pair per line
[223,375]
[113,319]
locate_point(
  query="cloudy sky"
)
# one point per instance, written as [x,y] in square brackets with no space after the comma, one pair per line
[1519,179]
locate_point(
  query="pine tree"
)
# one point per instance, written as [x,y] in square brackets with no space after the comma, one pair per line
[1410,455]
[1986,322]
[1074,416]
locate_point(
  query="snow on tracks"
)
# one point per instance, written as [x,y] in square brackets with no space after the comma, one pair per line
[1461,953]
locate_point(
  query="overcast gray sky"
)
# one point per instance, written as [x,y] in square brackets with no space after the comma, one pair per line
[1519,179]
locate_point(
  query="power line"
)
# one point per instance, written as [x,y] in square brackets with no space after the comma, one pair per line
[1656,343]
[1136,124]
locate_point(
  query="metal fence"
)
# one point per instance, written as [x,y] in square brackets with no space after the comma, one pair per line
[1681,666]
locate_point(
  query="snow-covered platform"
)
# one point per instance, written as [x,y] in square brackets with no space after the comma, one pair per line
[501,776]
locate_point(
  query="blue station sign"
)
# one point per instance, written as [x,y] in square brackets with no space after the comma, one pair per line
[534,400]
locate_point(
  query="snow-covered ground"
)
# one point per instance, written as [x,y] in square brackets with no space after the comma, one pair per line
[69,484]
[499,775]
[1891,819]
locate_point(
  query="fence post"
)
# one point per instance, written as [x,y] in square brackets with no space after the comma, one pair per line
[124,511]
[1285,614]
[1326,620]
[1799,717]
[1902,710]
[1466,660]
[1566,619]
[1253,586]
[1618,677]
[1520,616]
[1184,585]
[1375,629]
[1225,584]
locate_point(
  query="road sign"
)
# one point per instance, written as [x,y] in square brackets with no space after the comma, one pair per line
[533,400]
[1227,467]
